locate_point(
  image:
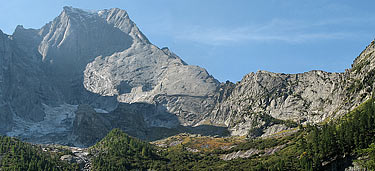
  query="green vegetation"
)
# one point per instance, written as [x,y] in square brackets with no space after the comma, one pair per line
[118,151]
[368,157]
[17,155]
[341,138]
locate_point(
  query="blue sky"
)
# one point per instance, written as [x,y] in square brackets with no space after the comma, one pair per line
[233,38]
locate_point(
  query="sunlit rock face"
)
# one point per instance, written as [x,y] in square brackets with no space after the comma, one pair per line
[309,97]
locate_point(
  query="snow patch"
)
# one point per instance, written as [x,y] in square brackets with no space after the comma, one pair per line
[57,120]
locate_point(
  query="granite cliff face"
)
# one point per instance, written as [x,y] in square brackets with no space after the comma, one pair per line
[310,97]
[87,72]
[98,59]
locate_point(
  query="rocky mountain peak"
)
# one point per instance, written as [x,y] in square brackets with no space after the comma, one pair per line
[98,58]
[115,13]
[366,59]
[74,12]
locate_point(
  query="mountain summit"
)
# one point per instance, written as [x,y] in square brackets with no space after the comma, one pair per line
[96,58]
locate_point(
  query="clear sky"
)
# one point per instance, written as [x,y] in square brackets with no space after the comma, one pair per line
[233,38]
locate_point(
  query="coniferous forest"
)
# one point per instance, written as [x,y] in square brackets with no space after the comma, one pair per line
[17,155]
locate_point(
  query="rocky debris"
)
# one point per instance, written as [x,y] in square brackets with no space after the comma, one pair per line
[274,129]
[278,131]
[240,154]
[57,123]
[83,158]
[252,152]
[271,151]
[73,155]
[227,147]
[193,150]
[174,143]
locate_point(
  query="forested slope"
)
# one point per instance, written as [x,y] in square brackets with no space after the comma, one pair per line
[327,146]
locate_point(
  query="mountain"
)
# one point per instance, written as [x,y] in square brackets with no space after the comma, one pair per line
[310,97]
[99,59]
[87,72]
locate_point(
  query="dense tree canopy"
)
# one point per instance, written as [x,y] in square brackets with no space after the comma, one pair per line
[17,155]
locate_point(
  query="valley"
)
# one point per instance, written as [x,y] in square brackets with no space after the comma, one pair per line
[89,91]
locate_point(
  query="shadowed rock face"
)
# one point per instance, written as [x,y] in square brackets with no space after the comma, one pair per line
[88,126]
[6,116]
[18,88]
[87,72]
[142,120]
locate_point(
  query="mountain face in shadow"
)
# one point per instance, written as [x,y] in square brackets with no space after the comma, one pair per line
[102,60]
[142,120]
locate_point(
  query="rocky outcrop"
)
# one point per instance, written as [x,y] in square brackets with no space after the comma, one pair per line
[88,126]
[240,154]
[310,97]
[361,80]
[252,152]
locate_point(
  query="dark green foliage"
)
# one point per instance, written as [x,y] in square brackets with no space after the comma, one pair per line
[118,151]
[368,156]
[334,140]
[17,155]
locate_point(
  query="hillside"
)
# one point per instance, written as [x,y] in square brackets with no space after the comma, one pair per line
[328,146]
[18,155]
